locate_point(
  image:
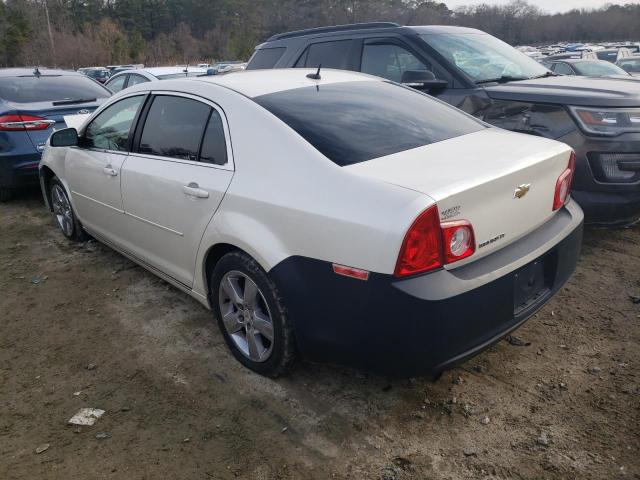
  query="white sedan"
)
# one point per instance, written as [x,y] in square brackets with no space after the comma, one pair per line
[338,217]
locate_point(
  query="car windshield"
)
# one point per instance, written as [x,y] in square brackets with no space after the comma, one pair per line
[630,65]
[353,122]
[47,88]
[597,69]
[485,58]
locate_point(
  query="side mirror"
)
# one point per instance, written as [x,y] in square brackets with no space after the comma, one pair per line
[423,80]
[67,137]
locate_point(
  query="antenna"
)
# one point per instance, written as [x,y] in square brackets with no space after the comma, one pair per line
[315,76]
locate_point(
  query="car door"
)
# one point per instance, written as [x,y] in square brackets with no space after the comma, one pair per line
[174,181]
[93,167]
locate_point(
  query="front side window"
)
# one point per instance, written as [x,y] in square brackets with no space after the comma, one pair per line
[389,61]
[328,54]
[214,147]
[174,127]
[484,58]
[116,84]
[110,129]
[353,122]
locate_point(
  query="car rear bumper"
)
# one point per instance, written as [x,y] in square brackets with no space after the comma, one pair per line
[19,170]
[429,323]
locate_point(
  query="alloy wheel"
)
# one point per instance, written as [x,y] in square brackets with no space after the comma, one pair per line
[246,316]
[62,210]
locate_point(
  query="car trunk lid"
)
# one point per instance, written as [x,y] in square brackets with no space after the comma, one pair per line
[503,183]
[49,111]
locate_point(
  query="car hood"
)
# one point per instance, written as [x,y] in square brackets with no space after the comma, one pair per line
[582,91]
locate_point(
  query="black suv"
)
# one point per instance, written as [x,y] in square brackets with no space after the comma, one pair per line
[598,117]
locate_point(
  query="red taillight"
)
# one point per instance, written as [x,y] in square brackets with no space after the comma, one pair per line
[422,246]
[429,244]
[13,123]
[563,184]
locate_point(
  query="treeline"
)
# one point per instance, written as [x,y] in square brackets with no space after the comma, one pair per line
[73,33]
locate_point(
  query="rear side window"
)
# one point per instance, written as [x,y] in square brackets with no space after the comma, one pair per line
[174,127]
[357,121]
[50,88]
[214,147]
[265,58]
[135,79]
[328,54]
[116,84]
[563,69]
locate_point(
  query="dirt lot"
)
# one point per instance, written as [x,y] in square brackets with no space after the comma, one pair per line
[179,407]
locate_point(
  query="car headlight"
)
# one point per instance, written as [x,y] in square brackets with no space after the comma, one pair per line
[607,121]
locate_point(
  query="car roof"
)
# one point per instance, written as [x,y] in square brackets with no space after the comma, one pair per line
[371,27]
[27,72]
[254,83]
[578,60]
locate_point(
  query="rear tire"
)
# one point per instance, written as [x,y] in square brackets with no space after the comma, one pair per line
[64,214]
[6,194]
[251,316]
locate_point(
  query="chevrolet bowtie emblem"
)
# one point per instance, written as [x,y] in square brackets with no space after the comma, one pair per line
[522,190]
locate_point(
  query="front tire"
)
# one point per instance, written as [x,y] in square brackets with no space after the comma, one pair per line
[64,214]
[251,315]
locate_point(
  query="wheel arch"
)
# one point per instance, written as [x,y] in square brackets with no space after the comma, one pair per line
[46,175]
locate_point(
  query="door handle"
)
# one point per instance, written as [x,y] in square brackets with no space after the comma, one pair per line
[193,190]
[109,170]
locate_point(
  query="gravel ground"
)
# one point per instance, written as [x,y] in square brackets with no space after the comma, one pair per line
[81,326]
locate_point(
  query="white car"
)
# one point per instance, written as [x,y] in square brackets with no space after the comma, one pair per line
[129,78]
[339,217]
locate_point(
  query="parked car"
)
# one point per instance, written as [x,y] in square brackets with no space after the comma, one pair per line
[128,78]
[484,76]
[586,68]
[121,68]
[630,65]
[33,103]
[608,54]
[354,221]
[99,74]
[561,56]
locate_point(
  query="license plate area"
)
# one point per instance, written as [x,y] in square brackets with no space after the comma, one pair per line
[532,284]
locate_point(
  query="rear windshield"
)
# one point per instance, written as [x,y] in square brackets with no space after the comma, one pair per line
[50,88]
[356,121]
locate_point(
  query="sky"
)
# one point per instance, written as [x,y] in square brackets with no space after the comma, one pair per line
[552,6]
